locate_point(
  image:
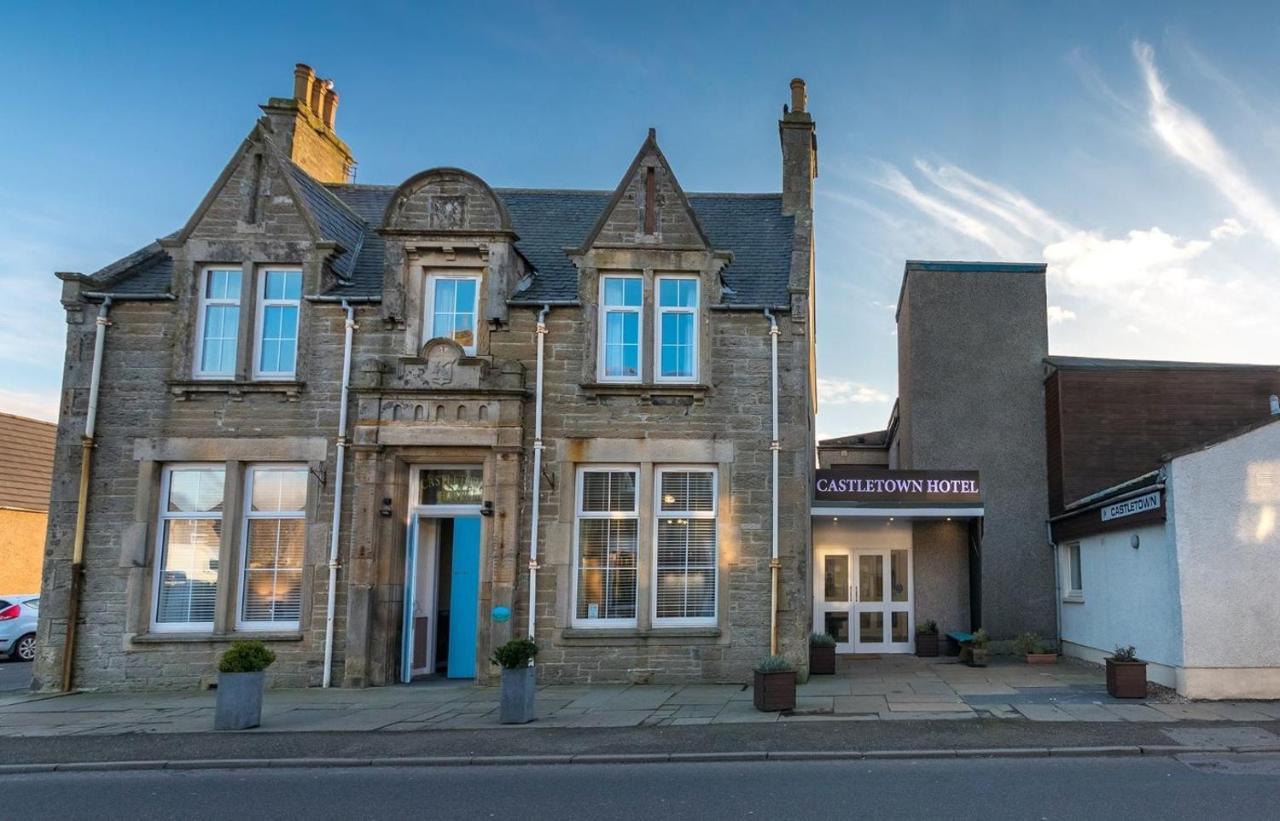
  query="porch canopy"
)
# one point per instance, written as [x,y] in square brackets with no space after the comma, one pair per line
[868,492]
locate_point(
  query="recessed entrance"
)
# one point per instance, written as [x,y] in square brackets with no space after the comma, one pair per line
[442,574]
[863,589]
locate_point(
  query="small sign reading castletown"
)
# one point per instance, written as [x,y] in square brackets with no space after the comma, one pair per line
[1130,507]
[849,484]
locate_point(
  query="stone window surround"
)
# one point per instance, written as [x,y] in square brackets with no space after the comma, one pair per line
[139,541]
[647,455]
[185,381]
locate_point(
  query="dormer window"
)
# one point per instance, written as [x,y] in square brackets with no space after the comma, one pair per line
[621,301]
[452,305]
[218,323]
[677,329]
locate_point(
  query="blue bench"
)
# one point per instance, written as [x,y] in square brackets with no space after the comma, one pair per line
[957,639]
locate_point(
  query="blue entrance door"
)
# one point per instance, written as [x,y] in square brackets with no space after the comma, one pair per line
[464,597]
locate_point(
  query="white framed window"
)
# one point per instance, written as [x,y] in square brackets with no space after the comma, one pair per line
[621,303]
[274,539]
[452,304]
[686,546]
[606,538]
[275,338]
[217,323]
[1072,573]
[188,545]
[676,336]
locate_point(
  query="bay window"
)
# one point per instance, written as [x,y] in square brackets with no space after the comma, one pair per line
[621,301]
[276,334]
[188,550]
[452,304]
[274,538]
[606,541]
[676,337]
[218,323]
[685,559]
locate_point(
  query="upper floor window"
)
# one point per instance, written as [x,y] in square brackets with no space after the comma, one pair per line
[218,323]
[677,329]
[621,300]
[276,338]
[451,307]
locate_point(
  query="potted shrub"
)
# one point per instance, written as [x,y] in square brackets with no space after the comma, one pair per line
[927,639]
[775,685]
[1036,651]
[519,680]
[1126,674]
[241,682]
[976,653]
[822,655]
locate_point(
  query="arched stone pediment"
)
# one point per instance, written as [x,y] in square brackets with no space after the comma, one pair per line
[446,200]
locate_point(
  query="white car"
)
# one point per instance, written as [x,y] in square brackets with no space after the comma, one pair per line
[18,616]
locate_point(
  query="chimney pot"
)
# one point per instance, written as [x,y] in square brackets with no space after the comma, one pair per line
[316,101]
[330,106]
[799,100]
[303,77]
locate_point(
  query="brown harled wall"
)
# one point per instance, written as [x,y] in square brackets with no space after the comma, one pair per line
[1109,423]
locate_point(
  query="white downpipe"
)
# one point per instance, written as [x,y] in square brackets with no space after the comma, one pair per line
[95,377]
[774,446]
[537,473]
[341,460]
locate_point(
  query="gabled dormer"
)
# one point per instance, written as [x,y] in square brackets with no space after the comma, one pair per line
[647,274]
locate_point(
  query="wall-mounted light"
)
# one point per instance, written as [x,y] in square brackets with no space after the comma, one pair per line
[385,510]
[1134,541]
[486,508]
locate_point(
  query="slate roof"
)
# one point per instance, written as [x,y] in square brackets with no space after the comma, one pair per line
[750,226]
[26,462]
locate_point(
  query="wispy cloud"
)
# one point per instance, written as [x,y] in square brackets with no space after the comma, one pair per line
[36,405]
[846,392]
[1191,141]
[1058,314]
[946,214]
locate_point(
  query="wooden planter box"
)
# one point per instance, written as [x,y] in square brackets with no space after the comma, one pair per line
[1042,658]
[775,691]
[1127,679]
[975,656]
[927,645]
[822,661]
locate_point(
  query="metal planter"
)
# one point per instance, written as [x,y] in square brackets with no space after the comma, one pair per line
[516,703]
[239,704]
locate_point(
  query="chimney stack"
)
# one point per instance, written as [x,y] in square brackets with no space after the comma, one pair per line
[799,151]
[303,127]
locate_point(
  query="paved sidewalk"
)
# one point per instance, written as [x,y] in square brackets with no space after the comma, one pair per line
[883,689]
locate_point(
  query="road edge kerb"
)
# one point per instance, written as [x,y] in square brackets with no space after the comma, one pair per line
[626,758]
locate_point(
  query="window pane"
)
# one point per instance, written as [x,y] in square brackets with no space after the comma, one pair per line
[442,324]
[218,348]
[871,578]
[677,293]
[898,627]
[686,562]
[607,569]
[451,486]
[608,491]
[465,296]
[898,573]
[633,292]
[871,627]
[283,285]
[195,490]
[688,490]
[222,284]
[279,490]
[837,626]
[622,343]
[1077,582]
[836,578]
[464,329]
[677,344]
[189,571]
[623,291]
[273,570]
[444,298]
[279,339]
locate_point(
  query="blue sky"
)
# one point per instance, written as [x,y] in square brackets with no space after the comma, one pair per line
[1129,145]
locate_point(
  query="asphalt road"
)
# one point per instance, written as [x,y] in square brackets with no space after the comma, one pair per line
[15,675]
[1236,787]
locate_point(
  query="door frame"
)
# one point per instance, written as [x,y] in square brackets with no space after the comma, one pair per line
[850,607]
[416,513]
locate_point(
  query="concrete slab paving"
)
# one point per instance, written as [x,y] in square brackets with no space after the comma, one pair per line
[1139,712]
[858,704]
[1089,712]
[1043,712]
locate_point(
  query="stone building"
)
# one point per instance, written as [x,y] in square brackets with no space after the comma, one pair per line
[594,368]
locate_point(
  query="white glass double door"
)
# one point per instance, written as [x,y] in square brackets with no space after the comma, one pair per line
[864,599]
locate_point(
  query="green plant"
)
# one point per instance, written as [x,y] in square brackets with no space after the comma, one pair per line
[927,628]
[246,657]
[822,640]
[775,664]
[980,639]
[1027,643]
[515,654]
[1124,653]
